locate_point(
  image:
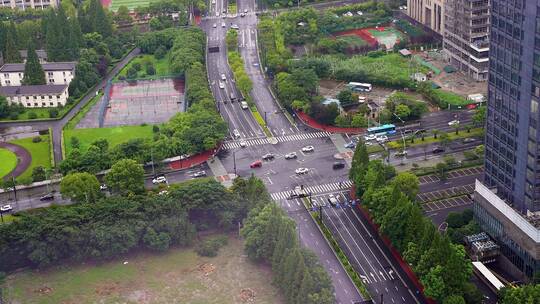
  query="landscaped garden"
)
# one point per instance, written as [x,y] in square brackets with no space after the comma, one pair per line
[9,162]
[40,152]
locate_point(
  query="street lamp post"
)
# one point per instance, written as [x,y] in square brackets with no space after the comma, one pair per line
[234,162]
[265,118]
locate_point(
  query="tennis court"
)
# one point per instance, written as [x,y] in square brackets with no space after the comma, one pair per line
[388,36]
[144,101]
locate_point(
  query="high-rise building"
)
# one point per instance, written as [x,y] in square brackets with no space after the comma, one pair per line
[24,4]
[427,12]
[466,36]
[507,205]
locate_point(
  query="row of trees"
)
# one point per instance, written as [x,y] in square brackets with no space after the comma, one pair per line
[441,265]
[242,79]
[107,227]
[270,237]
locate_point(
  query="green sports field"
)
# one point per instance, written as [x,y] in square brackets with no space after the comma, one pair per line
[8,163]
[114,135]
[41,153]
[131,4]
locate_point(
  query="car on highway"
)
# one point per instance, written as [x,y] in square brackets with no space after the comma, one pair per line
[245,11]
[268,156]
[255,64]
[103,187]
[213,1]
[199,174]
[242,15]
[437,150]
[401,153]
[300,171]
[234,26]
[214,25]
[382,138]
[236,133]
[350,145]
[224,11]
[159,179]
[453,122]
[221,85]
[47,197]
[217,14]
[243,144]
[223,24]
[332,200]
[370,137]
[338,165]
[6,208]
[223,77]
[468,140]
[256,164]
[291,155]
[244,105]
[308,149]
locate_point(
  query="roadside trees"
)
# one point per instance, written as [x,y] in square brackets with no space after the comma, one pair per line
[126,177]
[80,187]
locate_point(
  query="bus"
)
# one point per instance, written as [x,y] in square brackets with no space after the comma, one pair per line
[382,129]
[360,87]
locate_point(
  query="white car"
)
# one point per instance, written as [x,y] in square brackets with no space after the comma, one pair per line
[214,26]
[291,155]
[236,133]
[453,122]
[370,137]
[159,180]
[308,149]
[243,144]
[234,27]
[332,199]
[223,77]
[221,85]
[245,11]
[198,174]
[213,1]
[382,138]
[223,24]
[6,208]
[301,171]
[103,187]
[244,105]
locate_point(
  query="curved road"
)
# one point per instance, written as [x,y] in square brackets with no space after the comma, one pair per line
[23,158]
[58,125]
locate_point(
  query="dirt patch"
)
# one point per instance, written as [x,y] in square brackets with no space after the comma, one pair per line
[247,295]
[44,290]
[207,268]
[107,290]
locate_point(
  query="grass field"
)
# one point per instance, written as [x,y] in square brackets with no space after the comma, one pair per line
[41,154]
[352,41]
[131,4]
[41,113]
[9,161]
[176,276]
[115,135]
[161,65]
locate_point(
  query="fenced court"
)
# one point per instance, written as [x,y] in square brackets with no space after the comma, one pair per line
[144,101]
[130,4]
[388,36]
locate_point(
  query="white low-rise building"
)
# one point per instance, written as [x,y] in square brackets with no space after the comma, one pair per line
[11,74]
[36,96]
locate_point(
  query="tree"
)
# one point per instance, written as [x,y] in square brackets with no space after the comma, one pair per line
[454,299]
[126,177]
[403,111]
[122,15]
[359,163]
[39,174]
[435,132]
[442,170]
[11,53]
[80,187]
[434,283]
[479,117]
[345,97]
[156,241]
[75,143]
[444,139]
[407,183]
[33,71]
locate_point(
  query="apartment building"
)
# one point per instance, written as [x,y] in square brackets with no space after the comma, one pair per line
[11,74]
[427,12]
[466,36]
[24,4]
[36,96]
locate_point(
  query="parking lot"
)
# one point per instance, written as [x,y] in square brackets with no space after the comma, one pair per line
[447,203]
[444,193]
[453,174]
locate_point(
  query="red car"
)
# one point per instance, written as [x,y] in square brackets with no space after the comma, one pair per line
[256,164]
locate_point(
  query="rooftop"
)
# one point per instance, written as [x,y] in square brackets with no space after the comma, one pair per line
[33,90]
[51,66]
[40,53]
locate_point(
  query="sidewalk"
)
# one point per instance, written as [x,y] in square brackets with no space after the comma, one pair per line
[220,172]
[312,123]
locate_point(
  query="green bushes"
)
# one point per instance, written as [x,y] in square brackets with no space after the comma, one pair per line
[443,99]
[210,247]
[232,40]
[188,47]
[242,79]
[274,54]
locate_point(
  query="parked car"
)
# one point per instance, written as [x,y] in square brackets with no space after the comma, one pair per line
[437,150]
[370,137]
[6,208]
[301,171]
[198,174]
[291,155]
[256,164]
[308,149]
[159,180]
[268,156]
[453,122]
[338,165]
[47,197]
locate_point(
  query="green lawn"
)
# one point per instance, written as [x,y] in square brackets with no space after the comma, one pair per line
[9,161]
[115,135]
[41,153]
[161,65]
[176,276]
[452,98]
[131,4]
[41,113]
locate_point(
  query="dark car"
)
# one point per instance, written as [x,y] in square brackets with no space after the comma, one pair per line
[47,197]
[437,150]
[338,165]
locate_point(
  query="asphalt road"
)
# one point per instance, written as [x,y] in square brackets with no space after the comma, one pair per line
[58,125]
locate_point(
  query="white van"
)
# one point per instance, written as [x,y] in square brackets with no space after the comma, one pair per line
[244,105]
[236,133]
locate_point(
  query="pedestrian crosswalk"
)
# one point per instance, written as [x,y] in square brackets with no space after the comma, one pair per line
[315,189]
[235,144]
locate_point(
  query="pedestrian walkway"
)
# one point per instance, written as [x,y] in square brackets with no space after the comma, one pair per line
[314,189]
[235,144]
[220,172]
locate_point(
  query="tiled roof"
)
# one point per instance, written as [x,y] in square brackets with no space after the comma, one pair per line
[33,89]
[51,66]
